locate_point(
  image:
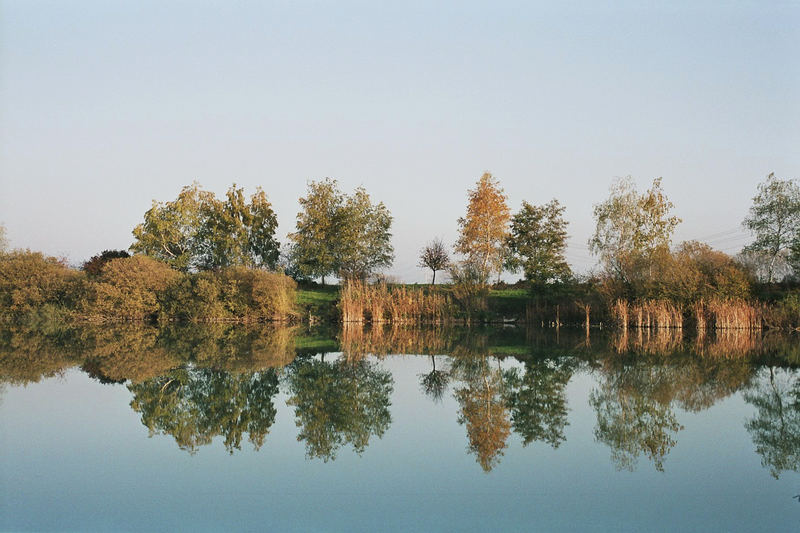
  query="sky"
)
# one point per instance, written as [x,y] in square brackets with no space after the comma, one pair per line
[106,106]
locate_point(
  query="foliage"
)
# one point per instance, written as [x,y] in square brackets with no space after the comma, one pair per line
[775,428]
[634,417]
[198,231]
[234,232]
[338,403]
[235,293]
[482,409]
[130,288]
[434,256]
[29,281]
[631,227]
[95,264]
[774,220]
[365,240]
[538,401]
[339,234]
[469,288]
[484,229]
[195,405]
[536,243]
[3,239]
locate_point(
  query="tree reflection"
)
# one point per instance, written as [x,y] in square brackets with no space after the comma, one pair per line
[775,429]
[434,383]
[632,418]
[482,408]
[538,401]
[339,402]
[194,405]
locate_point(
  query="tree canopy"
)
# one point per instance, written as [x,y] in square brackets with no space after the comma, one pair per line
[483,230]
[339,234]
[199,231]
[537,242]
[435,257]
[631,227]
[774,220]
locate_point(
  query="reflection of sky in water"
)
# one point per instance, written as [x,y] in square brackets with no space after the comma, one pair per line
[75,456]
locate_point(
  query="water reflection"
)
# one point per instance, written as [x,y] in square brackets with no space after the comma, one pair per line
[338,402]
[196,383]
[775,429]
[194,405]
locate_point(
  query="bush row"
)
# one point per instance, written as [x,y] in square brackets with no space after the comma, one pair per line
[140,288]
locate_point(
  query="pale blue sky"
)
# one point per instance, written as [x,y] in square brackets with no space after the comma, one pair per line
[105,106]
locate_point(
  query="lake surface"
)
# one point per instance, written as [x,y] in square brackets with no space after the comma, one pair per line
[226,428]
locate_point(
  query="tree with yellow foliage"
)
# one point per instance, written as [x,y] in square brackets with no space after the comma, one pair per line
[483,231]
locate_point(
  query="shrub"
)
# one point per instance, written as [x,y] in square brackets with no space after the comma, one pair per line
[30,280]
[131,288]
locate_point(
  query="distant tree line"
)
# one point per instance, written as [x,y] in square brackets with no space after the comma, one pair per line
[348,236]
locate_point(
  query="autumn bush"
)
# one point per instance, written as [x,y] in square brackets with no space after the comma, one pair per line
[236,293]
[131,288]
[32,283]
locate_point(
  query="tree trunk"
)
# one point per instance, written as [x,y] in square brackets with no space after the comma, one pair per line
[433,281]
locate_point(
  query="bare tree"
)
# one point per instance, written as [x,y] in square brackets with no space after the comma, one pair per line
[435,257]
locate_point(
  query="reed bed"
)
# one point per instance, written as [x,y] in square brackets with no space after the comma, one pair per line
[647,314]
[727,314]
[378,304]
[357,340]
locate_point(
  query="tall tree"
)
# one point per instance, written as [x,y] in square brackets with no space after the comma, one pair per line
[483,230]
[235,232]
[313,251]
[341,234]
[435,257]
[364,244]
[631,227]
[774,220]
[169,230]
[199,231]
[482,408]
[537,242]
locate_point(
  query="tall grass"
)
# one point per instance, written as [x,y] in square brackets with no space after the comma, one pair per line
[727,314]
[361,302]
[655,314]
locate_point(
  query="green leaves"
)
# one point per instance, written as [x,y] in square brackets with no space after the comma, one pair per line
[199,231]
[631,227]
[537,242]
[339,234]
[774,220]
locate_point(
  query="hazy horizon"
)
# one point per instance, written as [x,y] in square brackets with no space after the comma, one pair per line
[105,107]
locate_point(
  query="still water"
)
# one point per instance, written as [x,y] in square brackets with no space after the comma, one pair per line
[233,429]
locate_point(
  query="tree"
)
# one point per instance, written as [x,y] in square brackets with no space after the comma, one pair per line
[196,404]
[483,231]
[95,264]
[364,244]
[774,220]
[339,234]
[537,241]
[313,252]
[169,230]
[435,257]
[775,428]
[199,231]
[338,403]
[538,399]
[482,409]
[3,239]
[631,227]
